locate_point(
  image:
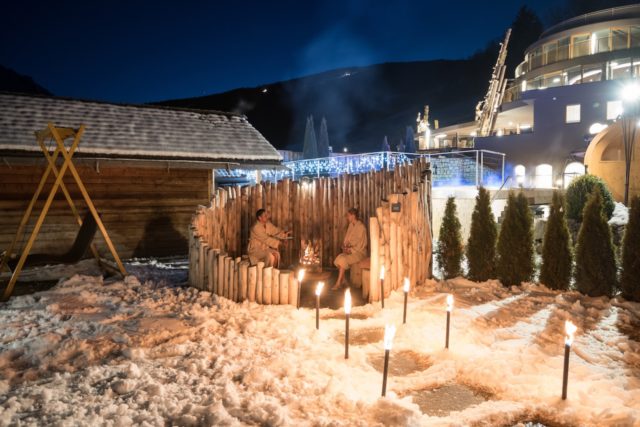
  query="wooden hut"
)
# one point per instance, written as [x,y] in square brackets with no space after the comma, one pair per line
[146,168]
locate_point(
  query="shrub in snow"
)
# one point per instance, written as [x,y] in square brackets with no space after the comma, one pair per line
[630,278]
[556,247]
[515,242]
[595,259]
[481,247]
[449,251]
[579,191]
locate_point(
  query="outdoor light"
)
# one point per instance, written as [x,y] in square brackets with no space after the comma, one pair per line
[382,285]
[631,92]
[318,291]
[449,308]
[570,329]
[405,288]
[300,277]
[347,312]
[345,149]
[389,332]
[596,128]
[500,132]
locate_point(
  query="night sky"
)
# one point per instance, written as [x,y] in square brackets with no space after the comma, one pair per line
[134,51]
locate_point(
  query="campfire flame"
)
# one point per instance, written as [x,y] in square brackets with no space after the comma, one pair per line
[319,288]
[347,301]
[389,333]
[570,329]
[449,302]
[406,284]
[310,253]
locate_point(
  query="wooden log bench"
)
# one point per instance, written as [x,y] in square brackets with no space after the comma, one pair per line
[355,272]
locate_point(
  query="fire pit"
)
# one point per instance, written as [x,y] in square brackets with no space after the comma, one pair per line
[311,255]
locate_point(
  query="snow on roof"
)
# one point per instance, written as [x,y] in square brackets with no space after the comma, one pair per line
[134,131]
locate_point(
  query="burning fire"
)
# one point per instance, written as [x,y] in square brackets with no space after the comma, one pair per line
[319,288]
[347,301]
[570,329]
[310,253]
[449,302]
[406,284]
[389,333]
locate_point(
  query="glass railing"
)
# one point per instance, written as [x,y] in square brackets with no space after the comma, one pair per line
[618,39]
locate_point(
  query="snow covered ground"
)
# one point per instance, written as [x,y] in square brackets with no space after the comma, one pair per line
[154,353]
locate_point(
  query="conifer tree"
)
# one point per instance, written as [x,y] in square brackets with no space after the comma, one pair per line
[630,278]
[323,139]
[409,140]
[515,242]
[385,144]
[310,146]
[555,272]
[595,259]
[481,247]
[449,252]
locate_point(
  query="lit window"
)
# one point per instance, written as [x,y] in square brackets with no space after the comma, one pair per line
[544,176]
[519,172]
[572,171]
[573,114]
[614,109]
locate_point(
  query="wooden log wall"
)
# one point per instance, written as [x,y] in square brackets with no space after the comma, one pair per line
[401,242]
[146,210]
[311,209]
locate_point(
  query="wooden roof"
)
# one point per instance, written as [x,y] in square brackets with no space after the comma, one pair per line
[134,131]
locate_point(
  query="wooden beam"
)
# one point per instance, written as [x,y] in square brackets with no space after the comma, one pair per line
[86,197]
[36,229]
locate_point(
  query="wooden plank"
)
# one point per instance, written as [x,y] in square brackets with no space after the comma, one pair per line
[267,278]
[244,280]
[275,286]
[252,282]
[259,283]
[284,286]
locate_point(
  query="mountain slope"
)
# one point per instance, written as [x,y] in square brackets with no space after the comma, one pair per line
[361,104]
[10,81]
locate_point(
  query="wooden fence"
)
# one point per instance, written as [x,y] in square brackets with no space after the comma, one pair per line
[311,208]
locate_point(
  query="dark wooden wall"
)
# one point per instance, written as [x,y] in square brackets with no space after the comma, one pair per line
[146,210]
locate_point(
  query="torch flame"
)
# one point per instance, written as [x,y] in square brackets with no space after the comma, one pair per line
[389,332]
[382,272]
[449,302]
[319,288]
[406,284]
[570,329]
[300,275]
[347,301]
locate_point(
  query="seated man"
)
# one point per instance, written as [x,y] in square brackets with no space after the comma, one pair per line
[354,246]
[264,240]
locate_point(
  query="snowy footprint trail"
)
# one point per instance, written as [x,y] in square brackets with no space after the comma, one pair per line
[131,353]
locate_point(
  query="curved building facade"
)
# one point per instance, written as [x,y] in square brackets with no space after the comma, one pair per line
[568,88]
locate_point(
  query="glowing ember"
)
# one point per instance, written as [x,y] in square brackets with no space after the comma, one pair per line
[449,302]
[347,301]
[389,333]
[406,284]
[319,288]
[570,329]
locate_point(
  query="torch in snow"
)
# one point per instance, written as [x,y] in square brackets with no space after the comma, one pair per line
[405,288]
[300,277]
[389,332]
[449,308]
[570,329]
[382,285]
[347,312]
[318,290]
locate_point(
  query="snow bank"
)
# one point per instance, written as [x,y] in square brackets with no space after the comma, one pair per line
[126,352]
[620,215]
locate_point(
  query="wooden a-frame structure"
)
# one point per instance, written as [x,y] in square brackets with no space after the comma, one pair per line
[59,135]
